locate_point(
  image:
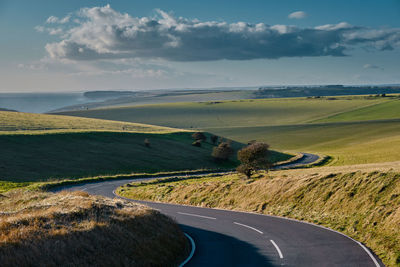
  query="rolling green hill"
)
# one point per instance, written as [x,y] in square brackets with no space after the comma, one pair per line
[261,112]
[28,123]
[352,129]
[38,147]
[348,143]
[385,110]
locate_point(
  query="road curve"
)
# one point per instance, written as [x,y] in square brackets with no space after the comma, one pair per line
[230,238]
[307,158]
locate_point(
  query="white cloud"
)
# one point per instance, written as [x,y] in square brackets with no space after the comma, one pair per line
[103,33]
[54,19]
[40,28]
[372,66]
[297,15]
[51,31]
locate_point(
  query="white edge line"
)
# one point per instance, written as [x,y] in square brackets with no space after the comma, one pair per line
[193,245]
[278,217]
[252,228]
[277,248]
[369,253]
[195,215]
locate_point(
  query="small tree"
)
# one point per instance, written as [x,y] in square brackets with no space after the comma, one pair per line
[222,152]
[214,139]
[199,136]
[253,158]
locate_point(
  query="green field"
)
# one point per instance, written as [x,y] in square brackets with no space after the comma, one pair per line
[348,143]
[261,112]
[385,110]
[351,129]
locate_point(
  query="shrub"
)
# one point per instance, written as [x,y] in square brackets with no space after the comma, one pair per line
[199,136]
[222,152]
[214,139]
[253,158]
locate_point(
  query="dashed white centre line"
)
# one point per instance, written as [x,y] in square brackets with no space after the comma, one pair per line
[252,228]
[195,215]
[94,186]
[277,249]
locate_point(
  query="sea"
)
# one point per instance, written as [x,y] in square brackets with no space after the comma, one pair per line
[40,102]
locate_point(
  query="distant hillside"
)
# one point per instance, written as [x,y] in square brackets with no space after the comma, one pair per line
[351,129]
[109,99]
[5,109]
[327,90]
[30,123]
[107,94]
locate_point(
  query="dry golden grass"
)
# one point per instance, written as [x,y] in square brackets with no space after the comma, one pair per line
[29,123]
[362,201]
[76,229]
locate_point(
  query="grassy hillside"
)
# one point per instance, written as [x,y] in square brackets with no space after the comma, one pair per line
[64,155]
[348,143]
[73,147]
[385,110]
[361,201]
[159,97]
[327,125]
[261,112]
[76,229]
[15,122]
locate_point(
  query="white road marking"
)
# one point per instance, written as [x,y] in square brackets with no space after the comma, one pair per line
[191,252]
[369,254]
[195,215]
[83,189]
[252,228]
[277,249]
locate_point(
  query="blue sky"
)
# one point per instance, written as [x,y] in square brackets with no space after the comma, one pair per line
[104,45]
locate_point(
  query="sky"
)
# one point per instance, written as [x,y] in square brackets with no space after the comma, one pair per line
[71,45]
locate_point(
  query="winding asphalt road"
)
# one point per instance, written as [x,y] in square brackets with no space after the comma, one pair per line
[229,238]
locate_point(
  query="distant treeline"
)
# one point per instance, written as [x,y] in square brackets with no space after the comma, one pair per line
[107,94]
[326,90]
